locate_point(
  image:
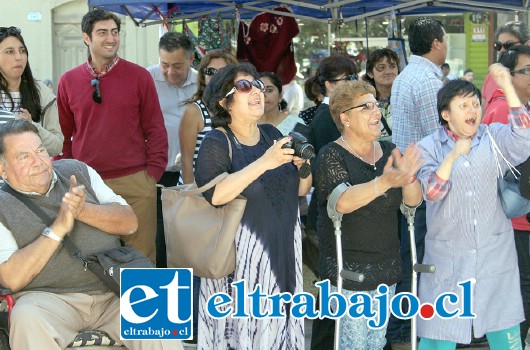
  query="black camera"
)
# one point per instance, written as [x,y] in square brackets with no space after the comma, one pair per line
[303,149]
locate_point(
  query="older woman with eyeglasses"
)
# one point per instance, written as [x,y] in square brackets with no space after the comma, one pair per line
[196,121]
[23,97]
[379,180]
[268,241]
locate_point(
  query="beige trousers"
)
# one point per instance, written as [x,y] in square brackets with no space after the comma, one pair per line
[139,190]
[49,321]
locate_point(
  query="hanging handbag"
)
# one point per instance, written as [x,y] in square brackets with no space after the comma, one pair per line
[199,235]
[513,204]
[106,265]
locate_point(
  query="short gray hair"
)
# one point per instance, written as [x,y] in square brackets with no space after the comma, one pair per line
[14,127]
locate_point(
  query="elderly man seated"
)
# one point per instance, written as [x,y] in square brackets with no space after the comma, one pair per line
[55,296]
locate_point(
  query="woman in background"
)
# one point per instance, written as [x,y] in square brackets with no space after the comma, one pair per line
[196,121]
[273,97]
[22,96]
[382,68]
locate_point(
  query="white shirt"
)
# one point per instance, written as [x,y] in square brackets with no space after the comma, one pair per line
[171,98]
[294,95]
[8,244]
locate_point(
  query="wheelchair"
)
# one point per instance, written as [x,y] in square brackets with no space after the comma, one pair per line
[85,340]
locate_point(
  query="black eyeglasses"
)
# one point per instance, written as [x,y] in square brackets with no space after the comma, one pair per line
[346,78]
[5,31]
[96,96]
[507,45]
[244,86]
[524,71]
[366,106]
[209,71]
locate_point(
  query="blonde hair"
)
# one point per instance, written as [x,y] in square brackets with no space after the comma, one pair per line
[344,97]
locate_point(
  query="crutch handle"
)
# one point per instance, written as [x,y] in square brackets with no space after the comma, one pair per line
[424,268]
[352,276]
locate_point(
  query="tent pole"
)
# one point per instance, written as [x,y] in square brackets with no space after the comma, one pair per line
[329,37]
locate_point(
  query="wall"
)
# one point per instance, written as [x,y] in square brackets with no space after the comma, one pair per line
[60,19]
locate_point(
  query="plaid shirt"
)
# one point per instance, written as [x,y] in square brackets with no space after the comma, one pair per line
[104,70]
[413,101]
[437,188]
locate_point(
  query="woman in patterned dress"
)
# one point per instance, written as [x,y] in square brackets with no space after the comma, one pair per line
[268,241]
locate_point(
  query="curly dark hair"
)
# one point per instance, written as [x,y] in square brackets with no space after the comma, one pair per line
[222,82]
[96,15]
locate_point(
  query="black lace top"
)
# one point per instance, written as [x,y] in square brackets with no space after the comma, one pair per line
[370,241]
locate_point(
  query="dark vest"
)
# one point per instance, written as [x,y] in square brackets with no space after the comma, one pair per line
[62,273]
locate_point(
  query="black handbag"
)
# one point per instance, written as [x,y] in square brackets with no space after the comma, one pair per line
[106,265]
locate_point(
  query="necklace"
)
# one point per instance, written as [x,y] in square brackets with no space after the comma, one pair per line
[355,153]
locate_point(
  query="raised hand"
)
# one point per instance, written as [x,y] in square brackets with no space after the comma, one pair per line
[501,75]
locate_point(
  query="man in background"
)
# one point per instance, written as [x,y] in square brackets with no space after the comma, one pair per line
[175,82]
[111,120]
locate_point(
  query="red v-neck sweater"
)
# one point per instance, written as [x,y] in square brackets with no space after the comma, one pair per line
[124,134]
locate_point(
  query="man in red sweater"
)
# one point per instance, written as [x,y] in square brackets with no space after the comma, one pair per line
[111,119]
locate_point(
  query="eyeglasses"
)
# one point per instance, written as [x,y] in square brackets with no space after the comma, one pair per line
[370,106]
[346,78]
[4,31]
[507,45]
[382,67]
[244,86]
[524,71]
[96,96]
[209,71]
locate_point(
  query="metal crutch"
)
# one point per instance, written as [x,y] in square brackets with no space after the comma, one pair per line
[336,217]
[409,213]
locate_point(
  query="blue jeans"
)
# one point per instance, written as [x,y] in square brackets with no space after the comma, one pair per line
[398,331]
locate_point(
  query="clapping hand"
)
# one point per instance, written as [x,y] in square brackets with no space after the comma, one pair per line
[400,169]
[75,197]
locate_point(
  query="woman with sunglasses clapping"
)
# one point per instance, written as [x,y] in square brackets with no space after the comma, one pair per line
[196,121]
[268,241]
[23,97]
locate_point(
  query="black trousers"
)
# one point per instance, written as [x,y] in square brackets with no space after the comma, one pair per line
[168,179]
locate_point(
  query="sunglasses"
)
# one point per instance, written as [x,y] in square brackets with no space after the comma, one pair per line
[96,96]
[370,106]
[524,71]
[244,86]
[5,31]
[346,78]
[507,45]
[209,71]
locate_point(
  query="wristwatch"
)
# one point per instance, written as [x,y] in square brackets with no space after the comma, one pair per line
[48,232]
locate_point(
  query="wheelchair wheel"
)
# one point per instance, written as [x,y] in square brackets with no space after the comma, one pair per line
[4,340]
